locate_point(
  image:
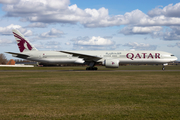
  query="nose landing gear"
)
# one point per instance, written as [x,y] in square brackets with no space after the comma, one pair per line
[163,68]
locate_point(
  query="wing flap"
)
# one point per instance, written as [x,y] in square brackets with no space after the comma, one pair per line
[86,57]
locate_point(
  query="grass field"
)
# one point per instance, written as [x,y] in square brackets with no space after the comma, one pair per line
[31,93]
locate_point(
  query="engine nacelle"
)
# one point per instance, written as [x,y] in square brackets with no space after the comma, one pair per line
[111,63]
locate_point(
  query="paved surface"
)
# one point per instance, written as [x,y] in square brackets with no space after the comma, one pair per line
[88,70]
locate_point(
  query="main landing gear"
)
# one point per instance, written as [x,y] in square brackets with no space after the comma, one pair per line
[91,68]
[91,64]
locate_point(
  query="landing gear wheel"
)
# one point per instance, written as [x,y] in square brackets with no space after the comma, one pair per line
[91,68]
[95,68]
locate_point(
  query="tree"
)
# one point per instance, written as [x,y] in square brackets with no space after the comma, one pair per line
[3,59]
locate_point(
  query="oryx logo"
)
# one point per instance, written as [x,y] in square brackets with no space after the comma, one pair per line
[112,63]
[22,43]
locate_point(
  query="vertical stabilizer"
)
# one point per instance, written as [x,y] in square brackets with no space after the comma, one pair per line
[23,44]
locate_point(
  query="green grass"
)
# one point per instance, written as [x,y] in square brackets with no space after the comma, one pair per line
[89,95]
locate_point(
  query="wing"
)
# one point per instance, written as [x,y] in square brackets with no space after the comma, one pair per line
[19,55]
[83,56]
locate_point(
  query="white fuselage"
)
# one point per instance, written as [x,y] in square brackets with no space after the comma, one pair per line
[124,57]
[110,59]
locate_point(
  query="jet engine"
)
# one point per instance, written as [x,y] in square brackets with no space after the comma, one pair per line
[111,63]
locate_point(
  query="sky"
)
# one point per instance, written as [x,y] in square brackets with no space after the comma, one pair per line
[55,25]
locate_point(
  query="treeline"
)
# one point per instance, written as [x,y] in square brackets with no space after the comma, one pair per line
[3,59]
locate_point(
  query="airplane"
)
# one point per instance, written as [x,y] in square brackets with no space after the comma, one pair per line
[110,59]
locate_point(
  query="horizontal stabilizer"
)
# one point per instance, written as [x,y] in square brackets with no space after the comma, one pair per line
[19,55]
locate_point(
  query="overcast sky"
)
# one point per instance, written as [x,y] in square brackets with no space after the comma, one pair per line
[92,24]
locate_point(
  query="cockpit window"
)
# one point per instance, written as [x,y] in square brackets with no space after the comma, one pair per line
[172,55]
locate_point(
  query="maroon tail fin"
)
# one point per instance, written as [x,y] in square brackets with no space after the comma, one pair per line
[22,42]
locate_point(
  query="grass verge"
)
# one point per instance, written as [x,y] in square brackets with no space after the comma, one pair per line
[90,95]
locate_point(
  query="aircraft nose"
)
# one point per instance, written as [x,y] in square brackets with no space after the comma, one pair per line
[174,58]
